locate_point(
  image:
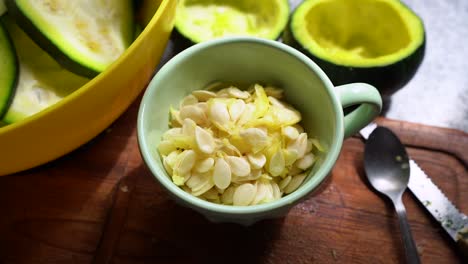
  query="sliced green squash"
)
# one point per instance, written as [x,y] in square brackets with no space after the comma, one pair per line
[202,20]
[83,36]
[41,82]
[8,69]
[378,42]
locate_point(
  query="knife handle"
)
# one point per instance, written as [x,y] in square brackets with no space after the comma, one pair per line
[462,243]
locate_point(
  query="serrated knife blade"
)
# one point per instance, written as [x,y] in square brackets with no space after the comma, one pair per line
[434,200]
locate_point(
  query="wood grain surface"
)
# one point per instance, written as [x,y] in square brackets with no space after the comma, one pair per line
[100,204]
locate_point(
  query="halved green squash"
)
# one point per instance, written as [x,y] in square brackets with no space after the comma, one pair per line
[41,82]
[83,36]
[8,69]
[377,42]
[201,20]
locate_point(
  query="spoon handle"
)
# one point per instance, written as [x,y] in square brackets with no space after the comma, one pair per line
[411,252]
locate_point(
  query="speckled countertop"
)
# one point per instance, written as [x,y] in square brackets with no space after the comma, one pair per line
[438,93]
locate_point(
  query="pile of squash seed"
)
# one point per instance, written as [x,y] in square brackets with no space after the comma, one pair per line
[237,147]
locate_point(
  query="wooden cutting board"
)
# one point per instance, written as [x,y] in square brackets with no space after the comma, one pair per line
[100,204]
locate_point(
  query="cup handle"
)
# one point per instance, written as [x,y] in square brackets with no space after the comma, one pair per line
[370,105]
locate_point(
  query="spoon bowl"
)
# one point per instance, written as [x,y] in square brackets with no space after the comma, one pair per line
[387,168]
[386,162]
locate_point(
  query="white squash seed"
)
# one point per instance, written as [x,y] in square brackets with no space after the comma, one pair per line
[290,132]
[203,95]
[239,166]
[193,112]
[236,93]
[173,132]
[256,138]
[276,191]
[204,107]
[211,194]
[218,113]
[247,115]
[261,194]
[188,100]
[294,170]
[228,195]
[203,189]
[290,156]
[166,146]
[221,174]
[275,102]
[295,182]
[175,120]
[188,127]
[186,161]
[305,162]
[204,165]
[170,160]
[277,164]
[244,194]
[253,175]
[236,109]
[284,182]
[310,145]
[269,194]
[299,145]
[197,180]
[257,160]
[204,140]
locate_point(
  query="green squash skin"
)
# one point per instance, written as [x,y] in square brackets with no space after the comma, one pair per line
[137,4]
[42,41]
[386,78]
[179,41]
[6,101]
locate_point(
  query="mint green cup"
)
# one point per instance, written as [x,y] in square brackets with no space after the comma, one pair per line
[249,60]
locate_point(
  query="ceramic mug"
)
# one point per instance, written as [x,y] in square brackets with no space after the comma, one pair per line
[253,60]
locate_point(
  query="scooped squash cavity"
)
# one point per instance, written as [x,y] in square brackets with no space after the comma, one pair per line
[379,42]
[202,20]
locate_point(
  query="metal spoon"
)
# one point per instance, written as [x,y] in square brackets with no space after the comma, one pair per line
[387,167]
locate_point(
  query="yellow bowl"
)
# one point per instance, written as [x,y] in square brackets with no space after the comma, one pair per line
[82,115]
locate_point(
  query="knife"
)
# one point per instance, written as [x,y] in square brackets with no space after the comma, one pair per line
[435,201]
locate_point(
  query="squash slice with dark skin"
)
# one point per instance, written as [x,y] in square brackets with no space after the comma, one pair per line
[41,81]
[83,36]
